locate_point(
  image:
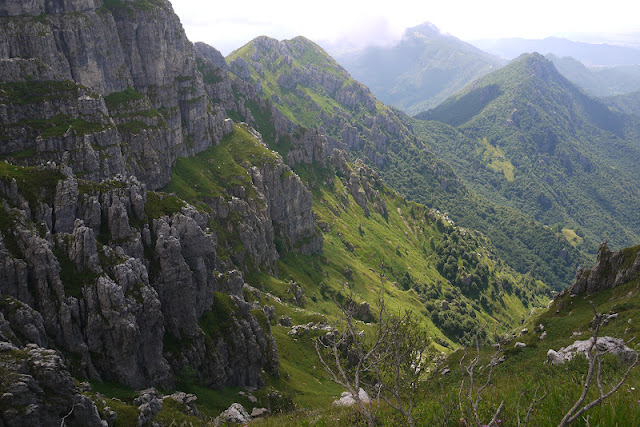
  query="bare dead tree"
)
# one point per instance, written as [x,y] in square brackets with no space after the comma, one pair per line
[391,361]
[403,365]
[594,358]
[348,355]
[468,402]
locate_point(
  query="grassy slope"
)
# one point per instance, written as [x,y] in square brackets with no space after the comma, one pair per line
[351,264]
[374,239]
[410,167]
[525,370]
[300,105]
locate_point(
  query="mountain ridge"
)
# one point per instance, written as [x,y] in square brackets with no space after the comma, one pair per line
[534,114]
[405,161]
[588,53]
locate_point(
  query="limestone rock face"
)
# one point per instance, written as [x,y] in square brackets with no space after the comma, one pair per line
[40,390]
[99,100]
[205,51]
[306,145]
[110,285]
[290,207]
[610,270]
[362,183]
[118,97]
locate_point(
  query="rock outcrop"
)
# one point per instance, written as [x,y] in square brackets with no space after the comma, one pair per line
[110,288]
[234,414]
[363,183]
[38,390]
[98,100]
[610,270]
[347,399]
[615,346]
[302,145]
[348,115]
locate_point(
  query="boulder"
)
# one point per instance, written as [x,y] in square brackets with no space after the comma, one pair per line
[347,399]
[259,412]
[234,414]
[285,321]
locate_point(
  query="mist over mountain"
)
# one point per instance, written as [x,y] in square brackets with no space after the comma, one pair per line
[590,54]
[420,70]
[599,81]
[628,103]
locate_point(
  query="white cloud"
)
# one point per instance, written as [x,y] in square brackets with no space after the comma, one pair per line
[234,24]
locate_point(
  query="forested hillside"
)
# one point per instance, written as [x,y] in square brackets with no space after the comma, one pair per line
[529,139]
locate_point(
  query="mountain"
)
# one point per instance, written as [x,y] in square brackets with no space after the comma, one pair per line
[629,103]
[310,88]
[97,109]
[175,235]
[590,54]
[420,70]
[528,138]
[158,253]
[600,82]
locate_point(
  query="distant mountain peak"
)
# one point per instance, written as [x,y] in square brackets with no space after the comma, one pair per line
[425,29]
[539,66]
[421,70]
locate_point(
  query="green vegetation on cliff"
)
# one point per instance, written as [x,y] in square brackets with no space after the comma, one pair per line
[387,140]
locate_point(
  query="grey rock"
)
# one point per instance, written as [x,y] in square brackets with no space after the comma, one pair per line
[203,50]
[83,251]
[149,403]
[234,414]
[269,311]
[609,345]
[285,321]
[606,273]
[347,399]
[139,281]
[231,283]
[24,401]
[520,345]
[65,205]
[300,330]
[259,412]
[187,400]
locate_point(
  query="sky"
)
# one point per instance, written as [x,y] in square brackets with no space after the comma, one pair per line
[357,23]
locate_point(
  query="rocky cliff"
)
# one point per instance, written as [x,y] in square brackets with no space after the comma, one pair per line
[107,88]
[98,101]
[610,270]
[311,89]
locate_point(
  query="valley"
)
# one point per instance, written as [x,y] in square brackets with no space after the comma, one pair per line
[183,234]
